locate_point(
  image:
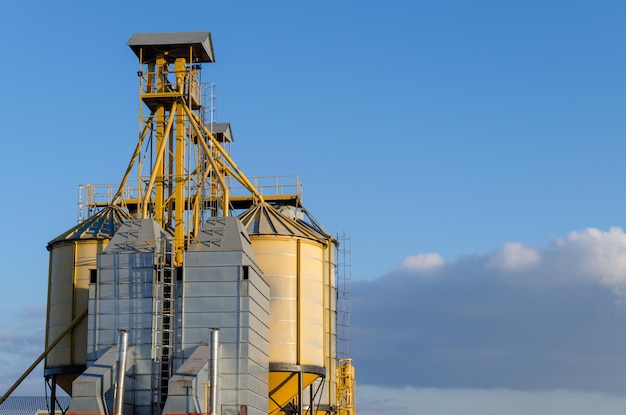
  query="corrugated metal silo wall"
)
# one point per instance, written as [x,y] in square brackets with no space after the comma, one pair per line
[225,289]
[71,264]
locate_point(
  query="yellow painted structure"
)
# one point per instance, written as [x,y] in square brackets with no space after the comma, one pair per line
[298,263]
[293,267]
[346,399]
[70,265]
[73,258]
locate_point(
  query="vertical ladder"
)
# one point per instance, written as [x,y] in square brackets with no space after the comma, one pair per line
[162,323]
[346,382]
[344,294]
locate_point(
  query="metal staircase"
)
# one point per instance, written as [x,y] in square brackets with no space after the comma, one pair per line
[346,387]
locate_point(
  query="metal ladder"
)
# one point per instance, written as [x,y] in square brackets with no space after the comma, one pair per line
[162,323]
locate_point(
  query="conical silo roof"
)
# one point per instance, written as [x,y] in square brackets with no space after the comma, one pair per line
[101,225]
[264,219]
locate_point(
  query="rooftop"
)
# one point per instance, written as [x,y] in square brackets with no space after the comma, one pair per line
[30,405]
[176,45]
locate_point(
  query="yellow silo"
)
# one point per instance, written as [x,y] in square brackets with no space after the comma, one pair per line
[73,257]
[295,259]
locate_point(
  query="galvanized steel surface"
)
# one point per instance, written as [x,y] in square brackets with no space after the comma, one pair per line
[123,300]
[214,360]
[223,287]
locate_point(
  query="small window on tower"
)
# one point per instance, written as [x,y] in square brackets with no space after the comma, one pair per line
[93,276]
[245,272]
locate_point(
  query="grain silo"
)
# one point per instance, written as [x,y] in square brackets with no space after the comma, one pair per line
[73,257]
[193,289]
[294,259]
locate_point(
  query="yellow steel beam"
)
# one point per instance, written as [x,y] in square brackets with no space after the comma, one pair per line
[243,179]
[214,166]
[179,183]
[162,133]
[142,137]
[197,200]
[157,169]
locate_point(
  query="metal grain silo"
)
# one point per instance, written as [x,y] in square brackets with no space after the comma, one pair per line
[72,265]
[160,281]
[295,261]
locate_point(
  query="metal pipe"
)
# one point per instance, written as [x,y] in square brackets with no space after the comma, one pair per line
[53,395]
[300,403]
[120,372]
[213,370]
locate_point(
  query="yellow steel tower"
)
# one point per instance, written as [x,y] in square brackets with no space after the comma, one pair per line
[188,168]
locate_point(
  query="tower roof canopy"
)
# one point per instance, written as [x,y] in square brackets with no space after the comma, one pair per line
[175,44]
[222,132]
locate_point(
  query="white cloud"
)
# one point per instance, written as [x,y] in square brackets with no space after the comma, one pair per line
[587,255]
[373,400]
[514,256]
[557,325]
[423,262]
[594,255]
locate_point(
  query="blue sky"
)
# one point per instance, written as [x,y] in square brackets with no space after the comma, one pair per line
[472,149]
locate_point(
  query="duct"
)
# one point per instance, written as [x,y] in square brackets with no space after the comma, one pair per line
[186,385]
[120,372]
[89,388]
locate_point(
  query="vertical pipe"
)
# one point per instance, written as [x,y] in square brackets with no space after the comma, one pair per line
[120,372]
[72,339]
[213,371]
[299,410]
[53,395]
[298,302]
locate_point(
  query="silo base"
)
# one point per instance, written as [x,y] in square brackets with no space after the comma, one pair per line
[285,384]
